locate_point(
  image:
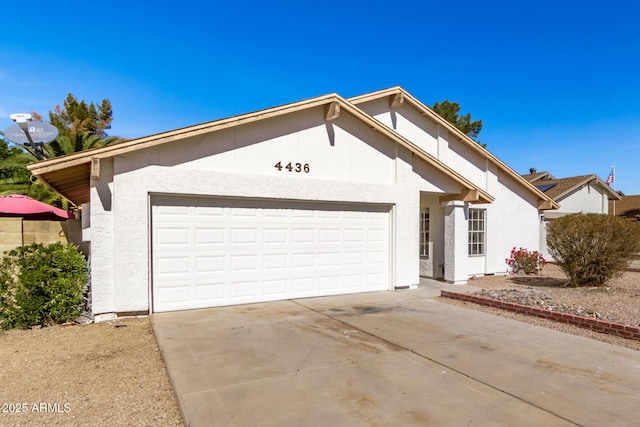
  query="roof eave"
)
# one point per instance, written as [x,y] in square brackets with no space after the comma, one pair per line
[474,145]
[47,170]
[588,180]
[161,138]
[479,195]
[80,164]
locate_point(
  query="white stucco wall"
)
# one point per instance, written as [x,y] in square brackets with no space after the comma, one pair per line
[512,219]
[588,199]
[408,122]
[101,223]
[456,260]
[348,162]
[544,249]
[431,137]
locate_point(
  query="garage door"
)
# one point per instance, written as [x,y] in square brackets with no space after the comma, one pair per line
[213,252]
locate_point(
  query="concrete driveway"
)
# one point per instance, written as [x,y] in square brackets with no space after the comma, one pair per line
[389,358]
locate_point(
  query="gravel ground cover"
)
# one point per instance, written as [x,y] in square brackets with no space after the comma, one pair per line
[105,374]
[617,302]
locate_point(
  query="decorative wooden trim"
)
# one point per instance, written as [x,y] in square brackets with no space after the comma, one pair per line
[545,205]
[396,100]
[469,195]
[95,168]
[332,111]
[472,195]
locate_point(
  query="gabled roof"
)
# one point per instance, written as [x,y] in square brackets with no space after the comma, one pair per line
[71,175]
[559,188]
[536,176]
[398,96]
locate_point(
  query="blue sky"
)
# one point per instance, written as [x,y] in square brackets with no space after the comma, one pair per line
[556,83]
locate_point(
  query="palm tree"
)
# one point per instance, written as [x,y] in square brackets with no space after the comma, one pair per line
[14,178]
[81,127]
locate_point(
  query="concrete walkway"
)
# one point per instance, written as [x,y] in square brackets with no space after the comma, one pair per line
[389,358]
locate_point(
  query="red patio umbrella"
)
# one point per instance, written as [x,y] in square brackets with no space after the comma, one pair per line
[28,208]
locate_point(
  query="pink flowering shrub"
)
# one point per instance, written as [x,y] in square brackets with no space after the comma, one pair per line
[527,261]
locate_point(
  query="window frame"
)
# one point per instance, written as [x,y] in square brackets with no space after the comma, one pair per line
[425,223]
[477,232]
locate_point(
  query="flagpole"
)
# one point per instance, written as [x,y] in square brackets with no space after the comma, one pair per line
[613,174]
[613,171]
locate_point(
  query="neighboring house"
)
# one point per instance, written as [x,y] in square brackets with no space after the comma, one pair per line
[324,196]
[627,206]
[576,194]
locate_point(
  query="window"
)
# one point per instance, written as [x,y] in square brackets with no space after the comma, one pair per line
[424,232]
[477,232]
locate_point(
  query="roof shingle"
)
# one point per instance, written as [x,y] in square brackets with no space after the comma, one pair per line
[628,206]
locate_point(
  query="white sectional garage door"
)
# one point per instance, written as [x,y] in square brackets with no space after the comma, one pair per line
[210,252]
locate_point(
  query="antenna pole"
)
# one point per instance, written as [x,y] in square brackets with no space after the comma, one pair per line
[37,149]
[24,125]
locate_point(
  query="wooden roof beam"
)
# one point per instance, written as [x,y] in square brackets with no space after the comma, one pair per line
[332,111]
[545,204]
[470,195]
[95,168]
[396,100]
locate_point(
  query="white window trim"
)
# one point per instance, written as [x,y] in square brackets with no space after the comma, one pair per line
[480,230]
[425,222]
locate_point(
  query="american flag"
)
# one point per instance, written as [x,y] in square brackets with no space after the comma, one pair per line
[609,179]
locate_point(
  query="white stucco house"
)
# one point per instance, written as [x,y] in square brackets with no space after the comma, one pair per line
[324,196]
[576,194]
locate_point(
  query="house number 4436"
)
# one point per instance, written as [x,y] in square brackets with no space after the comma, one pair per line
[293,167]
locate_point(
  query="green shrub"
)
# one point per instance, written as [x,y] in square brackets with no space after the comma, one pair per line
[41,285]
[592,248]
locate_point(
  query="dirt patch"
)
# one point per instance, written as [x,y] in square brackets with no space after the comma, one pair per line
[618,302]
[100,374]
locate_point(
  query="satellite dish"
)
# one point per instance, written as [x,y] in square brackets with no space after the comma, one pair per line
[40,133]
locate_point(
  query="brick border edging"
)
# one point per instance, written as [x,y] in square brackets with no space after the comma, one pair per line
[625,331]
